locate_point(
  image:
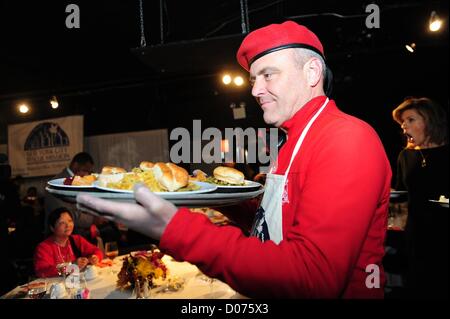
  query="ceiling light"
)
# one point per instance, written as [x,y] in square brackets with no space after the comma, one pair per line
[23,108]
[411,47]
[54,102]
[226,79]
[238,80]
[435,23]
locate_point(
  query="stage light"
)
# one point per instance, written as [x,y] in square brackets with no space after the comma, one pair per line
[435,23]
[411,47]
[23,108]
[54,102]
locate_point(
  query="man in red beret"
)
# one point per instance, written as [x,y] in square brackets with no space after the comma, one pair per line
[319,230]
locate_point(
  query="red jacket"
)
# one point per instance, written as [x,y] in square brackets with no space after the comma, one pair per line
[47,255]
[334,224]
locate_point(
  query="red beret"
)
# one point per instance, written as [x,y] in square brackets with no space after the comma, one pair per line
[276,37]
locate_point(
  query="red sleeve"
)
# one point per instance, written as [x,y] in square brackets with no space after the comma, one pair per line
[44,261]
[86,248]
[338,200]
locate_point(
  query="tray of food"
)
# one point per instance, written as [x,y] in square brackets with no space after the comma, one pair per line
[227,186]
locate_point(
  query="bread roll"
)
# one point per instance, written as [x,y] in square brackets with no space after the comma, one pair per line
[112,170]
[228,175]
[110,174]
[146,166]
[170,176]
[83,181]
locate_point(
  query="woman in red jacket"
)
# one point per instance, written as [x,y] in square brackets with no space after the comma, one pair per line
[61,246]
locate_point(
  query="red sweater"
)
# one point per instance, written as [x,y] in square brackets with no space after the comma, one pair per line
[47,255]
[334,224]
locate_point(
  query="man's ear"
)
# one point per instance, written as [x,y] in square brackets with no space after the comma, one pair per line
[52,228]
[313,70]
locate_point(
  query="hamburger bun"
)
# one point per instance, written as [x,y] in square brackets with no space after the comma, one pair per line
[146,166]
[170,176]
[228,175]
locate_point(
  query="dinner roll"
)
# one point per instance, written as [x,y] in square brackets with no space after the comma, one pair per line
[228,175]
[110,174]
[146,166]
[170,176]
[112,170]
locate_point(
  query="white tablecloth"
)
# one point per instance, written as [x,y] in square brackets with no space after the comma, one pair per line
[195,287]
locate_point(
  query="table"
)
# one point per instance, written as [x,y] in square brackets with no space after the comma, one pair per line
[104,285]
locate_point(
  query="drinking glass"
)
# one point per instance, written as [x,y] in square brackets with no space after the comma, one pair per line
[62,269]
[111,250]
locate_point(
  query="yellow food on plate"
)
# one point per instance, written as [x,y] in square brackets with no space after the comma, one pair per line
[129,179]
[199,176]
[159,177]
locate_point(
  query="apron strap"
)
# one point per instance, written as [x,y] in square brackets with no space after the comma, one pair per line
[302,136]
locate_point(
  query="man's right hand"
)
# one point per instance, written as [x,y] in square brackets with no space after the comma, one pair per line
[150,217]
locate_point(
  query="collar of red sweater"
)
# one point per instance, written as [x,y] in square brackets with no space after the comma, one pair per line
[295,124]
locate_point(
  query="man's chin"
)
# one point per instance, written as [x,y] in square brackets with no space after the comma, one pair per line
[271,121]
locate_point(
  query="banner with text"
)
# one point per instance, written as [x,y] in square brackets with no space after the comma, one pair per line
[44,147]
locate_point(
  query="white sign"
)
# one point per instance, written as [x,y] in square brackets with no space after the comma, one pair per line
[44,147]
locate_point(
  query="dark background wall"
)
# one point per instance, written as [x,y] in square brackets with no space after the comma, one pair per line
[95,70]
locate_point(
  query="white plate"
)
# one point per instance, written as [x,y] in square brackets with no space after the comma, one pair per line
[204,188]
[59,182]
[443,204]
[395,194]
[249,186]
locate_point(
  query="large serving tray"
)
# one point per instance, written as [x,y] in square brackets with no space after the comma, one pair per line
[188,200]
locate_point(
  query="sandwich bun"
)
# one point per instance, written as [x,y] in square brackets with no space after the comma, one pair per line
[170,176]
[146,166]
[228,175]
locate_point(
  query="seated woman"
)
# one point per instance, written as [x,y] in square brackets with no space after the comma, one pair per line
[61,246]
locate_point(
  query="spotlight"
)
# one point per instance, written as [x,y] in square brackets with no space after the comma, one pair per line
[411,47]
[23,108]
[435,23]
[226,79]
[54,102]
[238,80]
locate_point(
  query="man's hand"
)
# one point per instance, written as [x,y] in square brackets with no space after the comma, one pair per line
[150,219]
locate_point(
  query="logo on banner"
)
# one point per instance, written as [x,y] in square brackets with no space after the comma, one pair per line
[47,142]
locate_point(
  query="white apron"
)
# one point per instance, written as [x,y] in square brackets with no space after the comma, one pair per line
[268,224]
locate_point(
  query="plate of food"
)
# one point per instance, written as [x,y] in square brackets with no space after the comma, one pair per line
[74,182]
[395,194]
[166,179]
[443,201]
[230,180]
[193,188]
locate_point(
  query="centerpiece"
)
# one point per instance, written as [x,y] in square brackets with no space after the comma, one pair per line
[141,269]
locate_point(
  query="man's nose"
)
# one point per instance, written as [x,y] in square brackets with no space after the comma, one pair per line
[403,125]
[258,88]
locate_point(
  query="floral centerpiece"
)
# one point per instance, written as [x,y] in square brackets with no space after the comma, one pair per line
[141,267]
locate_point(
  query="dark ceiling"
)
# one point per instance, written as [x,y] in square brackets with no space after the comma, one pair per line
[99,70]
